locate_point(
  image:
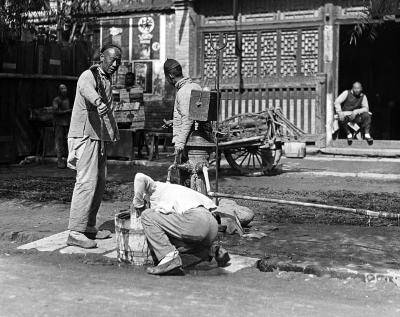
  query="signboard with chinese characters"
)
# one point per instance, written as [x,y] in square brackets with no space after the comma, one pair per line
[146,37]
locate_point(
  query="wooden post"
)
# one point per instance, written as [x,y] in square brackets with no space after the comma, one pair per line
[329,66]
[185,35]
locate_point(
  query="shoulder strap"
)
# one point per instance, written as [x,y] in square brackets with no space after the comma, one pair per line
[99,85]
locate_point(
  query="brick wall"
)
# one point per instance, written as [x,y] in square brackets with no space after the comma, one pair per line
[186,38]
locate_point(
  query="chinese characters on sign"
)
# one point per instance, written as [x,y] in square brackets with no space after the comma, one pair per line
[139,38]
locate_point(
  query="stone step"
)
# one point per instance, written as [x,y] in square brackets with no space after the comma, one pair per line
[363,152]
[362,144]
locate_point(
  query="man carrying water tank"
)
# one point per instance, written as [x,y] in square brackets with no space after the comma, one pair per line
[182,124]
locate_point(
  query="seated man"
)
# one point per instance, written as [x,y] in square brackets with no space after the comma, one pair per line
[129,80]
[352,107]
[178,218]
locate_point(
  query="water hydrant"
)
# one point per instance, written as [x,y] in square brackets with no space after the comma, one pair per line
[199,149]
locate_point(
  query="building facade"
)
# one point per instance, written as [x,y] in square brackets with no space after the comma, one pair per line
[294,54]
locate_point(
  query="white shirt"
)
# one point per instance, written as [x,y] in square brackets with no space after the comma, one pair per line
[166,197]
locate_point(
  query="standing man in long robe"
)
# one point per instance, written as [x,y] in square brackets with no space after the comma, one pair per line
[92,127]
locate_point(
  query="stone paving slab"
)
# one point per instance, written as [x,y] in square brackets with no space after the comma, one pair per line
[49,244]
[103,246]
[107,248]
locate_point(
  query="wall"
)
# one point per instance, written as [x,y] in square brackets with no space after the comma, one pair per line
[147,39]
[30,73]
[52,58]
[20,93]
[275,41]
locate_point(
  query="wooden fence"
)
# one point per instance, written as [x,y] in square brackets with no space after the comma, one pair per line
[67,59]
[302,101]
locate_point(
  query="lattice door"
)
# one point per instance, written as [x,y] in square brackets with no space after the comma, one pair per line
[209,70]
[309,52]
[229,58]
[249,54]
[280,53]
[268,54]
[288,50]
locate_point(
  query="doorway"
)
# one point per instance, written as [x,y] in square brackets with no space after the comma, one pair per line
[376,64]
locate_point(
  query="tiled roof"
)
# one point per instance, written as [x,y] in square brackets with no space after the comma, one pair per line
[119,6]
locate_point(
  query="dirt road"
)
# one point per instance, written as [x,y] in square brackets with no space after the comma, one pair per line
[58,285]
[34,203]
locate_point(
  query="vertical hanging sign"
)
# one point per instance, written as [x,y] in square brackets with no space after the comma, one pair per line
[146,37]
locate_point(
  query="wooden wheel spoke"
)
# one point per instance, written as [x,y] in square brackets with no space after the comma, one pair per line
[244,158]
[250,159]
[248,162]
[258,159]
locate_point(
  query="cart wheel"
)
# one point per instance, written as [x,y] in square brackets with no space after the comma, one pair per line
[253,160]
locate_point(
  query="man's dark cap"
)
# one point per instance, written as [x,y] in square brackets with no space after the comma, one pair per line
[107,46]
[171,64]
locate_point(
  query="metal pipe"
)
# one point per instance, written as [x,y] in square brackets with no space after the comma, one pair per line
[218,48]
[206,178]
[173,166]
[365,212]
[217,123]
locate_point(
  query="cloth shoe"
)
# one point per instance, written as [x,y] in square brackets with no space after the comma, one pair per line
[80,240]
[349,139]
[169,265]
[369,139]
[101,234]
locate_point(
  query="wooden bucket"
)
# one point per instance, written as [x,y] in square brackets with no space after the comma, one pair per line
[132,245]
[295,149]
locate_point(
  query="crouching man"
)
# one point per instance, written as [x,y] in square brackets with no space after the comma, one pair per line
[177,220]
[352,106]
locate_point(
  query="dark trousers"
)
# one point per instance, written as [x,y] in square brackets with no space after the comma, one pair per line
[60,135]
[363,120]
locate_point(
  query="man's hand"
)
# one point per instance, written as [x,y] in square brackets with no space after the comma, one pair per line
[352,116]
[167,123]
[102,109]
[344,114]
[178,151]
[341,116]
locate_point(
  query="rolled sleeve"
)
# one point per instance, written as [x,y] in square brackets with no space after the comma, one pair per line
[87,87]
[143,185]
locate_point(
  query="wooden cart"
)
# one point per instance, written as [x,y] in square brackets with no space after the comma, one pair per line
[252,142]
